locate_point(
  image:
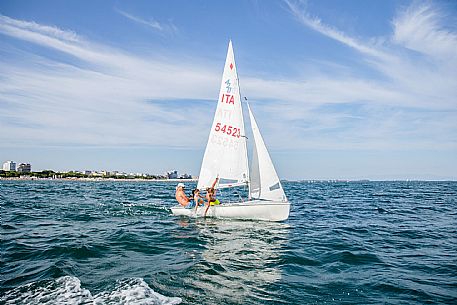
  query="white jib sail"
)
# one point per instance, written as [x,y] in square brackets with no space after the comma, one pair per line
[265,182]
[226,154]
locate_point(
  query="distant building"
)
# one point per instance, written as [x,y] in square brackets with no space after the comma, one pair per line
[185,176]
[9,166]
[172,174]
[86,172]
[24,168]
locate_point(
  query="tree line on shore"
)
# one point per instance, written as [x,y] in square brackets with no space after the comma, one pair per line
[72,174]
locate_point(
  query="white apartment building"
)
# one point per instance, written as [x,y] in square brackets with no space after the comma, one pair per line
[9,166]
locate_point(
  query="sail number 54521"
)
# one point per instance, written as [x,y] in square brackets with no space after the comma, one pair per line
[229,130]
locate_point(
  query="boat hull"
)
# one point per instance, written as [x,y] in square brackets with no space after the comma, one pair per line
[254,210]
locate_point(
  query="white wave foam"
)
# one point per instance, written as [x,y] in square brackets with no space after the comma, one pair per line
[64,290]
[133,292]
[67,290]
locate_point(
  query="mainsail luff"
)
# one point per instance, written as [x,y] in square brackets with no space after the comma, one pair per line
[245,138]
[226,152]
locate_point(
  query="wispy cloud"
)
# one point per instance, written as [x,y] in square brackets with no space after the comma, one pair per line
[10,24]
[422,90]
[419,28]
[122,99]
[105,102]
[299,11]
[168,27]
[52,37]
[426,81]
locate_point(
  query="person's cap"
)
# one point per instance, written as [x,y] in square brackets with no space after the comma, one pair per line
[180,185]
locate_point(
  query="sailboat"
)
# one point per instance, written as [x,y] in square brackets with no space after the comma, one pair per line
[226,157]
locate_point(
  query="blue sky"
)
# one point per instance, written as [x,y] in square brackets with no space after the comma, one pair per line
[340,89]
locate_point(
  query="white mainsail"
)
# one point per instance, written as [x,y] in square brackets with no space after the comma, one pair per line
[265,182]
[226,153]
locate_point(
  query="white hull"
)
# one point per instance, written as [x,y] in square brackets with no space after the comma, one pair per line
[254,210]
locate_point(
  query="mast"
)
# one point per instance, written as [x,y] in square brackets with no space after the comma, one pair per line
[247,161]
[245,142]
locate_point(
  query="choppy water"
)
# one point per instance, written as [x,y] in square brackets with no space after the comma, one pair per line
[116,243]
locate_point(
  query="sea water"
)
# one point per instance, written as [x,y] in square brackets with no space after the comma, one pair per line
[110,242]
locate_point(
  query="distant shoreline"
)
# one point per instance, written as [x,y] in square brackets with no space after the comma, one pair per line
[98,179]
[95,179]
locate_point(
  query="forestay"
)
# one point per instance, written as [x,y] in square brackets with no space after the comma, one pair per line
[265,182]
[226,154]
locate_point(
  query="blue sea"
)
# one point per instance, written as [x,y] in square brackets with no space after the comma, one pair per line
[74,242]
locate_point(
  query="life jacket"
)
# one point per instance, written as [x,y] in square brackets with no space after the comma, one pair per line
[215,202]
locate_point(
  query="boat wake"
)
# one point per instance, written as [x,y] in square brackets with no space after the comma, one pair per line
[68,290]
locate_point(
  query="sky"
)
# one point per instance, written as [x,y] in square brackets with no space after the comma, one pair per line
[340,89]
